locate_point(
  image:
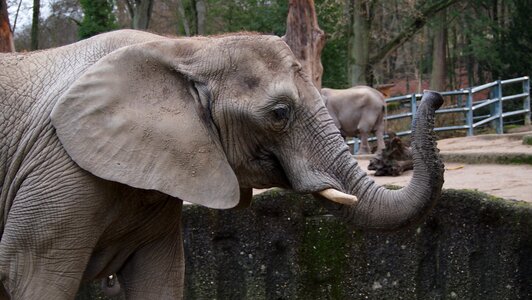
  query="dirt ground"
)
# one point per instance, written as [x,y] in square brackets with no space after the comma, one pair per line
[506,181]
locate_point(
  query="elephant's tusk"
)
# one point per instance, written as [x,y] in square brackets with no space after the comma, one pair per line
[339,197]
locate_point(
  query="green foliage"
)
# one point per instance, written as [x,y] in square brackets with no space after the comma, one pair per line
[248,15]
[527,140]
[501,43]
[324,259]
[269,17]
[332,20]
[98,17]
[515,46]
[490,39]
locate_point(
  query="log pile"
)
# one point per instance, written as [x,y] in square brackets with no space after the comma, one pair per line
[393,160]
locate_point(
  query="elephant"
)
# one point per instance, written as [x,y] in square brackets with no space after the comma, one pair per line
[358,110]
[102,141]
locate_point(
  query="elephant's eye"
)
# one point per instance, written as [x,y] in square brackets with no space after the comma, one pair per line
[281,112]
[280,116]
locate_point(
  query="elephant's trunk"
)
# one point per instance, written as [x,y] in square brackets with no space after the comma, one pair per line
[383,209]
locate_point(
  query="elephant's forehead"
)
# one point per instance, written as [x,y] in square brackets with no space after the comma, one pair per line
[255,50]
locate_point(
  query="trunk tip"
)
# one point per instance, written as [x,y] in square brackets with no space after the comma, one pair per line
[433,98]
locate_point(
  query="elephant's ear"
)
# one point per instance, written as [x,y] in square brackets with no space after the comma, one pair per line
[137,117]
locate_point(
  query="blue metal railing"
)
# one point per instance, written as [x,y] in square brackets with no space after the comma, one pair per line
[495,102]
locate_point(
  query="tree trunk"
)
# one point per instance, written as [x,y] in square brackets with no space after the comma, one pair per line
[6,35]
[183,17]
[305,37]
[439,55]
[201,11]
[359,43]
[35,25]
[142,14]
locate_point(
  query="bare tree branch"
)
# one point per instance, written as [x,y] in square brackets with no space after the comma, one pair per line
[416,24]
[16,17]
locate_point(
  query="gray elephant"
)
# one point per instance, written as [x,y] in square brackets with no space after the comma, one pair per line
[357,111]
[103,139]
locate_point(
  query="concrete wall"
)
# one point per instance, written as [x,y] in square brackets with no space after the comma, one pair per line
[286,246]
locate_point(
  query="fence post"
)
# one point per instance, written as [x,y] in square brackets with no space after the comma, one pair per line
[459,101]
[526,102]
[356,145]
[496,108]
[413,107]
[500,124]
[469,117]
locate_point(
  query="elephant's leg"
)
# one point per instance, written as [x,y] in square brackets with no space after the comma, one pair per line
[379,132]
[49,236]
[364,144]
[156,271]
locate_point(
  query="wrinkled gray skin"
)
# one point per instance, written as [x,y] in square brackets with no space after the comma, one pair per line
[102,139]
[357,111]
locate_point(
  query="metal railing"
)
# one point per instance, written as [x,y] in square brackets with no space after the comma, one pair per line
[469,107]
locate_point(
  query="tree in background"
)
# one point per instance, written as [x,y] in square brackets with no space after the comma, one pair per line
[333,21]
[515,44]
[59,27]
[200,12]
[484,39]
[268,17]
[140,12]
[366,52]
[6,35]
[98,17]
[182,17]
[305,38]
[62,24]
[35,25]
[438,76]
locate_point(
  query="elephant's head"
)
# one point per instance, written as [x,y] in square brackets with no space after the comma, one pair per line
[207,119]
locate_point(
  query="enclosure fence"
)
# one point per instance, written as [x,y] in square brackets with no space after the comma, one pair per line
[487,104]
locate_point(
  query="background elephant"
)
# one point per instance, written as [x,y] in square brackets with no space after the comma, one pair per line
[357,111]
[103,139]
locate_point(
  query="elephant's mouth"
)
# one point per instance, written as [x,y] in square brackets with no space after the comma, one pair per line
[265,171]
[278,177]
[329,193]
